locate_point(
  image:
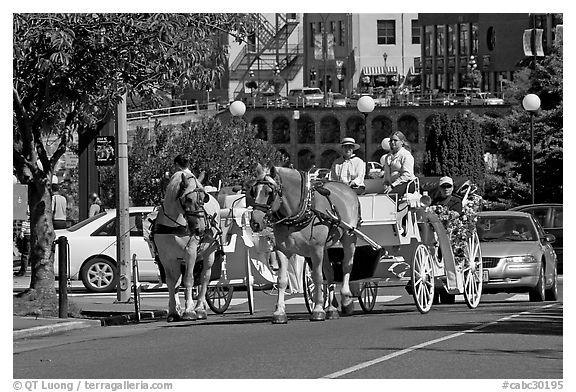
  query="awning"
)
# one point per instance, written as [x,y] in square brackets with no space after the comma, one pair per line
[372,71]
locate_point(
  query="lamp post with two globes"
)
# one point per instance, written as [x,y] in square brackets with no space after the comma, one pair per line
[531,103]
[365,105]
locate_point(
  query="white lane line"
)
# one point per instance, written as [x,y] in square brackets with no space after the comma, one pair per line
[363,365]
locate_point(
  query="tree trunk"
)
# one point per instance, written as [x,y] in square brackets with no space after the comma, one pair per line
[41,240]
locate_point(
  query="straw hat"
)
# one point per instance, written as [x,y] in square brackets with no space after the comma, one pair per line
[349,141]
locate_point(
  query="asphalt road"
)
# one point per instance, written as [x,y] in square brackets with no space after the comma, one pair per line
[506,337]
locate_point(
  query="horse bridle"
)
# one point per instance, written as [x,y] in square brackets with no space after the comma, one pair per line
[271,214]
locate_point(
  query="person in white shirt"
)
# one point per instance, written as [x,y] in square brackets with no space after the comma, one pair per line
[59,205]
[398,165]
[95,205]
[349,168]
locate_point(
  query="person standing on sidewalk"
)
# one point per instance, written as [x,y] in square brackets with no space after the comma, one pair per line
[95,205]
[59,205]
[23,244]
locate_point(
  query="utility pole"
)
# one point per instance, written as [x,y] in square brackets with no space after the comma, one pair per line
[122,213]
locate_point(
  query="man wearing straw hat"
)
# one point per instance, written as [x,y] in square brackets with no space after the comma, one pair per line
[349,168]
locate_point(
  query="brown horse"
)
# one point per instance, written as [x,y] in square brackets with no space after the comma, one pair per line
[186,230]
[303,218]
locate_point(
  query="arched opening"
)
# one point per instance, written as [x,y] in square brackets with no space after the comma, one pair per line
[408,125]
[328,157]
[381,128]
[306,159]
[305,126]
[329,130]
[261,126]
[280,130]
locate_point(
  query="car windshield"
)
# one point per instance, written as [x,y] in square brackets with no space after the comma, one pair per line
[505,228]
[315,91]
[83,223]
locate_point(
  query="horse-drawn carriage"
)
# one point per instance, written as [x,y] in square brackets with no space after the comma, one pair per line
[402,241]
[371,241]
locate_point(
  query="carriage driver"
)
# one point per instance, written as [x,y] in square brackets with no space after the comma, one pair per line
[349,168]
[446,198]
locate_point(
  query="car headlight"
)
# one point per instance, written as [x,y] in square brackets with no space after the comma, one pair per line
[520,259]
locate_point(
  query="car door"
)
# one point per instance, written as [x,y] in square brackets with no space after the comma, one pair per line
[147,270]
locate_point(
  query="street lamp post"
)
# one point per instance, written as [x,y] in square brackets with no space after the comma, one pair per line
[365,106]
[471,70]
[237,109]
[531,103]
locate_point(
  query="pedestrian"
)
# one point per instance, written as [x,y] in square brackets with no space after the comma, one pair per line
[23,245]
[349,168]
[445,197]
[59,205]
[398,165]
[95,205]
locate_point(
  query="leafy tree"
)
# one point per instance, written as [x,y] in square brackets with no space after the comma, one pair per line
[71,70]
[509,137]
[225,152]
[454,148]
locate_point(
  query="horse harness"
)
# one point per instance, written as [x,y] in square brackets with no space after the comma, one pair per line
[306,213]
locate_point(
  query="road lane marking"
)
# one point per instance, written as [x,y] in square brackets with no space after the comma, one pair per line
[408,350]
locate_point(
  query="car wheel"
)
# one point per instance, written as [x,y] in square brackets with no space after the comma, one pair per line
[537,293]
[552,293]
[99,275]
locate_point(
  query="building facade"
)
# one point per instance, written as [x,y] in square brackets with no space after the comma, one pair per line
[494,40]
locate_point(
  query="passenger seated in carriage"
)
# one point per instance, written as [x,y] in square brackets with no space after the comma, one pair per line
[349,168]
[398,166]
[445,197]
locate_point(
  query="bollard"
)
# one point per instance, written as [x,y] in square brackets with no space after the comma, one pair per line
[63,277]
[136,287]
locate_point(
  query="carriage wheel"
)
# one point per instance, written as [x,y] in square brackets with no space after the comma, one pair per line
[219,297]
[367,296]
[472,272]
[308,285]
[422,279]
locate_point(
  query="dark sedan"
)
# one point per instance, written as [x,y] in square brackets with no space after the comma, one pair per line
[517,255]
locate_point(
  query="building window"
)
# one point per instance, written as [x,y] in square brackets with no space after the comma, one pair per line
[474,38]
[491,38]
[451,41]
[463,39]
[428,41]
[342,34]
[440,39]
[312,34]
[386,30]
[415,32]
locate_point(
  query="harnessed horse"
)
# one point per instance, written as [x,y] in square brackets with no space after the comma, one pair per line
[186,230]
[304,223]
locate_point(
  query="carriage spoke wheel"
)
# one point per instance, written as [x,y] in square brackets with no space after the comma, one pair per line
[219,297]
[422,279]
[367,296]
[308,285]
[472,272]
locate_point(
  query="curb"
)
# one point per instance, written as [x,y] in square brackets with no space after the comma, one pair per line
[46,330]
[93,321]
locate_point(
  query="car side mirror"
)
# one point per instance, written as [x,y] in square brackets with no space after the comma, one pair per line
[550,238]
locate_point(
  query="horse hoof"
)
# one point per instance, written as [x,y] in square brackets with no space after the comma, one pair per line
[279,318]
[172,318]
[318,316]
[201,314]
[348,309]
[189,316]
[332,314]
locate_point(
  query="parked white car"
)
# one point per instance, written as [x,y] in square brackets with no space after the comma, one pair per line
[92,250]
[484,98]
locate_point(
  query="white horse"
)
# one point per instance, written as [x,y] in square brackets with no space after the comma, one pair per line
[186,230]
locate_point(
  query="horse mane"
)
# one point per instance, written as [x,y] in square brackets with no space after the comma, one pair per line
[173,187]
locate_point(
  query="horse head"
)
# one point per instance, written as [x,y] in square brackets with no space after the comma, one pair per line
[264,194]
[192,197]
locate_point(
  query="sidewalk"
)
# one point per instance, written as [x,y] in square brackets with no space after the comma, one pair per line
[99,311]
